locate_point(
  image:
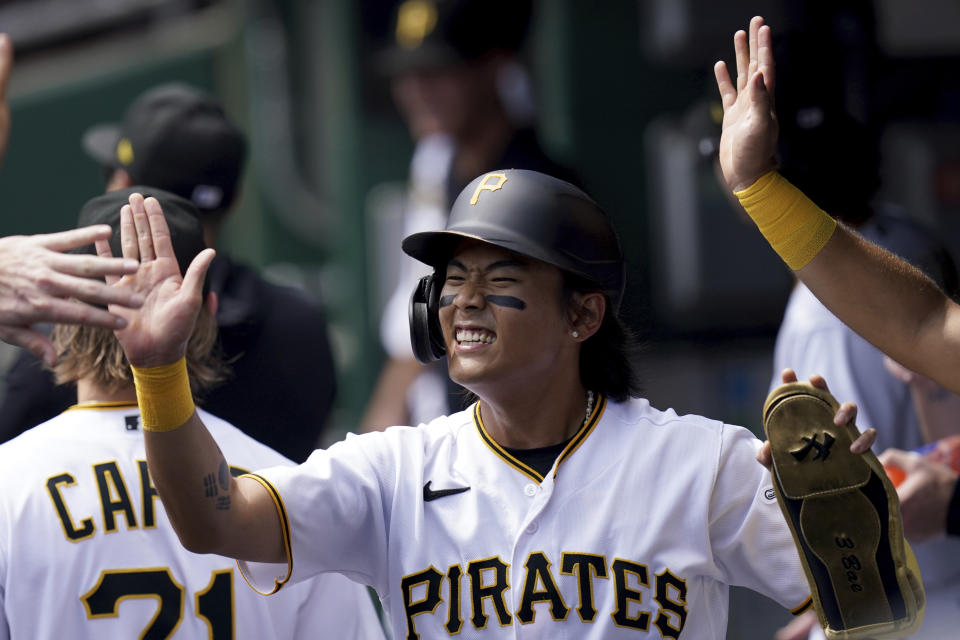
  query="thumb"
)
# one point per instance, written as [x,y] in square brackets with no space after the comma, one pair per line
[197,271]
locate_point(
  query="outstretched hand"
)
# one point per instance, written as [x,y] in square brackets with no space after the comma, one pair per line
[156,333]
[749,138]
[40,283]
[846,414]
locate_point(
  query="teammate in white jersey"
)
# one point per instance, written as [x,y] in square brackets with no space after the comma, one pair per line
[86,549]
[559,505]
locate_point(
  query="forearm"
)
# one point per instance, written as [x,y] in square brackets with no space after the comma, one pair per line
[210,511]
[194,482]
[881,297]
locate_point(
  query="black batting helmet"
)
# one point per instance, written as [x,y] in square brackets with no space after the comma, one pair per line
[529,213]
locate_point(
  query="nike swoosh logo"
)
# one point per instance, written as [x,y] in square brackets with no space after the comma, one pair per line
[431,494]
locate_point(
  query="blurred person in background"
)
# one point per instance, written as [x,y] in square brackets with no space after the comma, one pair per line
[456,78]
[178,138]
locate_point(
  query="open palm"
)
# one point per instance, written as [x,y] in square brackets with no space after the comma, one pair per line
[749,138]
[156,333]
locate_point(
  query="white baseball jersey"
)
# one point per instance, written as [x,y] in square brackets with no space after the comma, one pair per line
[86,550]
[636,532]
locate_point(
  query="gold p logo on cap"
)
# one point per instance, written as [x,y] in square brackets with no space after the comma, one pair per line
[415,20]
[124,151]
[485,185]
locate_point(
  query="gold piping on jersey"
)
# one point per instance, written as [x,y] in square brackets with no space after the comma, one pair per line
[284,531]
[803,607]
[592,420]
[113,404]
[585,430]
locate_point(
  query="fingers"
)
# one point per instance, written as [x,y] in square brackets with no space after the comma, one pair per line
[104,251]
[865,442]
[197,271]
[818,381]
[765,62]
[73,239]
[141,223]
[752,44]
[87,266]
[905,460]
[161,244]
[129,245]
[742,51]
[91,291]
[788,375]
[846,414]
[728,94]
[33,341]
[764,456]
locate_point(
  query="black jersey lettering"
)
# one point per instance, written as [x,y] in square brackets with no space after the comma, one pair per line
[625,595]
[110,483]
[538,573]
[585,567]
[671,595]
[74,533]
[430,579]
[454,619]
[482,587]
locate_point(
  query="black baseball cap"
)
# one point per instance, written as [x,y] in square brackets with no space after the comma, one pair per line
[177,138]
[186,230]
[433,34]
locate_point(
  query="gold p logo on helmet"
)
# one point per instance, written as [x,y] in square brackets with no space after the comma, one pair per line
[124,151]
[415,20]
[485,185]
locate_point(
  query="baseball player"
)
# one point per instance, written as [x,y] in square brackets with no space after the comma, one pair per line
[86,548]
[558,505]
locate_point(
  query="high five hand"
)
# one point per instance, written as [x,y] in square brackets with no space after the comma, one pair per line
[749,137]
[156,333]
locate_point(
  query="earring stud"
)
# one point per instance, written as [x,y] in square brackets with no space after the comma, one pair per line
[575,333]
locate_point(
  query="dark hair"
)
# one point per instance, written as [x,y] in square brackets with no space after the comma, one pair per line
[608,357]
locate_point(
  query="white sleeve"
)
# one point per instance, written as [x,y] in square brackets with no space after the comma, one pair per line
[340,607]
[336,507]
[751,542]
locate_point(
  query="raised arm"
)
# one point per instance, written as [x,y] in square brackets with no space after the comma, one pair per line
[884,299]
[211,511]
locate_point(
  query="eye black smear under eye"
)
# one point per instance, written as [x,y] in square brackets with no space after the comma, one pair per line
[507,301]
[446,301]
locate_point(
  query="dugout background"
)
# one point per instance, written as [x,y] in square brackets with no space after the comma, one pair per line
[624,90]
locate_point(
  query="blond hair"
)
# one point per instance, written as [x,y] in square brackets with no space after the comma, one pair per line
[95,353]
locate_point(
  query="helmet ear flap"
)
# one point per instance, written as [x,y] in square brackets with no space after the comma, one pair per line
[426,336]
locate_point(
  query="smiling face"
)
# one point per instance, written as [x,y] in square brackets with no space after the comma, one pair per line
[503,320]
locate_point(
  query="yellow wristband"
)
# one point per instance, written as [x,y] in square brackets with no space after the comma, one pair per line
[164,396]
[794,226]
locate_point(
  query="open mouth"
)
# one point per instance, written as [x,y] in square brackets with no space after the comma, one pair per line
[471,337]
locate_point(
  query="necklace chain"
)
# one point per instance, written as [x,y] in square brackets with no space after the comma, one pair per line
[589,405]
